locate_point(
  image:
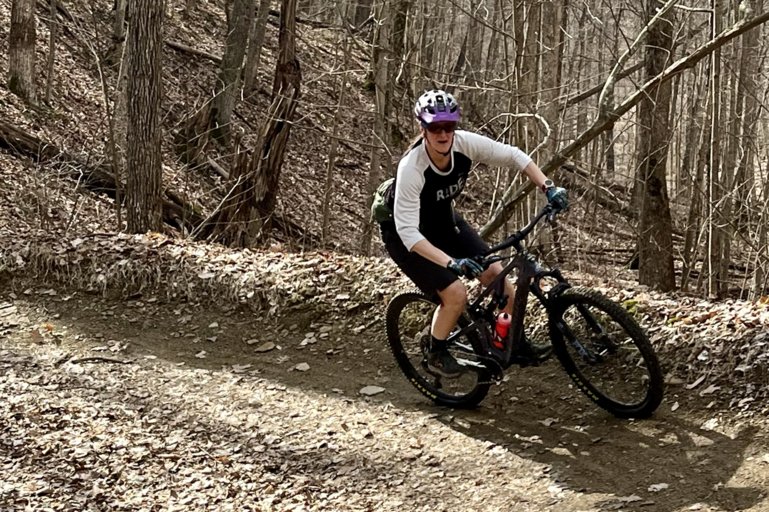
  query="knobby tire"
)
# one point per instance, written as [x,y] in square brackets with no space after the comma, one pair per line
[594,300]
[395,339]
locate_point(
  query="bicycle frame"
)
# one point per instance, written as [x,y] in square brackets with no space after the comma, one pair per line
[530,272]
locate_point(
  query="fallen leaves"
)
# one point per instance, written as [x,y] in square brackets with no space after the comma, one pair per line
[264,347]
[371,390]
[696,383]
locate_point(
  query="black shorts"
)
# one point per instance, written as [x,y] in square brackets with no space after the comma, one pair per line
[429,277]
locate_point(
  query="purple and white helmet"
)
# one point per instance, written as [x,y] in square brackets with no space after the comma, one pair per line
[436,106]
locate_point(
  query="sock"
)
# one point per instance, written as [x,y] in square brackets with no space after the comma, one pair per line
[436,344]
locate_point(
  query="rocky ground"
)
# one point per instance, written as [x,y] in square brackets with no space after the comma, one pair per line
[151,404]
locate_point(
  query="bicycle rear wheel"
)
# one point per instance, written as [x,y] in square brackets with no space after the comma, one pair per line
[409,317]
[606,353]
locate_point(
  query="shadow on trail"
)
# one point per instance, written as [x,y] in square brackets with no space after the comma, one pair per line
[663,464]
[241,467]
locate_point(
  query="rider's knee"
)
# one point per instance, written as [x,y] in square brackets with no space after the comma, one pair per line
[490,273]
[454,295]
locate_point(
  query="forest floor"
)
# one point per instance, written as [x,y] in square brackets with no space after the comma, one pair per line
[122,401]
[148,404]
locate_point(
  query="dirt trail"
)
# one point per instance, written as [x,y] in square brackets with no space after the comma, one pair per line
[200,420]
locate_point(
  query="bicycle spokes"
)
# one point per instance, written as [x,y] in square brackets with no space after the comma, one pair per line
[414,322]
[604,353]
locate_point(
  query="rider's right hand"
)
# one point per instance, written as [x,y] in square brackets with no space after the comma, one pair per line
[466,267]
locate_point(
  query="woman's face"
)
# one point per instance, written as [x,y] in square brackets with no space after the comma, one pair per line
[440,135]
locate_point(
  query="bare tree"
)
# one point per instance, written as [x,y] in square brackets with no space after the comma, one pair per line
[144,162]
[379,134]
[118,31]
[228,82]
[695,156]
[255,43]
[21,50]
[53,30]
[715,239]
[328,188]
[655,236]
[608,116]
[246,215]
[286,89]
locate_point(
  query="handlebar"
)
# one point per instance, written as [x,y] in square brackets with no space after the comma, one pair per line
[519,236]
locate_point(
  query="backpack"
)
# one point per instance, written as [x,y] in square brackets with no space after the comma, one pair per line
[384,199]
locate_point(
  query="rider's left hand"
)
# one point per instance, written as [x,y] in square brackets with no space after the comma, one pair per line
[557,197]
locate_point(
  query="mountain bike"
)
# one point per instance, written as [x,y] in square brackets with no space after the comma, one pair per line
[597,341]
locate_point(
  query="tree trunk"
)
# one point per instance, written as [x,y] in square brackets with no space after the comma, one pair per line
[255,43]
[21,50]
[714,193]
[552,39]
[695,98]
[328,186]
[118,31]
[228,82]
[749,93]
[53,37]
[285,90]
[380,122]
[426,44]
[400,98]
[655,242]
[144,163]
[759,285]
[248,210]
[696,152]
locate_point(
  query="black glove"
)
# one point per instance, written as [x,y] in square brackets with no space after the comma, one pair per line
[557,197]
[466,267]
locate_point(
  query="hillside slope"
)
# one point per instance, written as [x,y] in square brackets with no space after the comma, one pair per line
[158,371]
[76,120]
[51,228]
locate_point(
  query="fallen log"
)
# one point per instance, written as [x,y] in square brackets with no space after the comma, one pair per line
[177,212]
[193,51]
[95,178]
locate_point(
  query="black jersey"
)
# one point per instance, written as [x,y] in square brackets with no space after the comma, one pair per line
[424,195]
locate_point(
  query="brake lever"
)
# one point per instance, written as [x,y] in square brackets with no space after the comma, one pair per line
[551,215]
[487,262]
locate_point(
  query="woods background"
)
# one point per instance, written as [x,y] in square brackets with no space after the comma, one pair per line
[277,125]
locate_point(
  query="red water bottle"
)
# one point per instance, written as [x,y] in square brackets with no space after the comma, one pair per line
[501,328]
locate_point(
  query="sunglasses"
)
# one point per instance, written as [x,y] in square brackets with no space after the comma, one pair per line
[448,127]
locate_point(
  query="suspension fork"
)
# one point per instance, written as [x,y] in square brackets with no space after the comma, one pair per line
[584,312]
[560,288]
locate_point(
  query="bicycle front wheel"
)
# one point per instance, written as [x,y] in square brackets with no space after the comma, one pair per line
[409,317]
[606,353]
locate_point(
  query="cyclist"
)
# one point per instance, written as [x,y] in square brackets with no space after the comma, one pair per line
[429,241]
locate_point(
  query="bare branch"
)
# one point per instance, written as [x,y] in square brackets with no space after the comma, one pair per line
[603,123]
[603,106]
